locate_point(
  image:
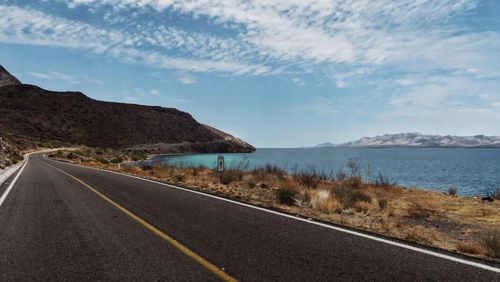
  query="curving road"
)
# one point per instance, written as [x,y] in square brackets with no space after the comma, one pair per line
[65,222]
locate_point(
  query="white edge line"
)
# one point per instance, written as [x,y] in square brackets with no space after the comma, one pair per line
[355,233]
[6,193]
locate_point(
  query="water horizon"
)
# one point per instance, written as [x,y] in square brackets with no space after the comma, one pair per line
[474,171]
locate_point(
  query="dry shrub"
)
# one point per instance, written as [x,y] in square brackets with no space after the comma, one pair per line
[419,233]
[322,200]
[315,196]
[493,193]
[386,227]
[180,177]
[250,181]
[391,212]
[289,183]
[309,178]
[131,169]
[383,181]
[452,191]
[382,204]
[231,175]
[195,171]
[486,212]
[491,243]
[161,172]
[275,170]
[286,195]
[362,206]
[330,205]
[349,197]
[416,211]
[354,182]
[144,167]
[261,176]
[470,248]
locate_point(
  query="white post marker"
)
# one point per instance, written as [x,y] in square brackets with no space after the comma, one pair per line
[220,166]
[220,163]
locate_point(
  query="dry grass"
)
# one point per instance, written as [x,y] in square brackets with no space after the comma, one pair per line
[417,211]
[323,201]
[349,197]
[330,205]
[452,223]
[363,207]
[491,243]
[382,203]
[422,234]
[387,227]
[472,248]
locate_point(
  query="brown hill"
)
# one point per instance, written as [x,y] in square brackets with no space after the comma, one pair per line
[6,78]
[30,115]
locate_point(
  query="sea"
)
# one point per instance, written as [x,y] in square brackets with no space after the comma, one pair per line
[473,171]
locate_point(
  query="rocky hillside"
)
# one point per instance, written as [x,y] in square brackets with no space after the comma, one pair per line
[30,116]
[9,154]
[422,140]
[6,78]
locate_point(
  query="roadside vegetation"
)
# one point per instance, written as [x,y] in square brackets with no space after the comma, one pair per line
[468,225]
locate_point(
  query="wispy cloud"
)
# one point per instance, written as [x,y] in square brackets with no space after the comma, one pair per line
[348,42]
[186,78]
[348,31]
[154,92]
[53,75]
[442,102]
[298,81]
[27,26]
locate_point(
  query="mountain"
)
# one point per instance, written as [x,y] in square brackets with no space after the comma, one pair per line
[325,145]
[30,115]
[422,140]
[6,78]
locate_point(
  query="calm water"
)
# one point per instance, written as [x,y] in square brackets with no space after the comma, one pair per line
[471,170]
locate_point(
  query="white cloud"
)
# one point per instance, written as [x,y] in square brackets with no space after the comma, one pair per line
[298,81]
[347,40]
[53,75]
[186,78]
[441,104]
[154,92]
[348,31]
[27,26]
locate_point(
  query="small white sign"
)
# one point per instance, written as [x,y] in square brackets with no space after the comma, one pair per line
[220,163]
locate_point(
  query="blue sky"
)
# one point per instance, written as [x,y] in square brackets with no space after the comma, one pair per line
[276,73]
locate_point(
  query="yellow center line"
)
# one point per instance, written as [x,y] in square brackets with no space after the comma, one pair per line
[205,263]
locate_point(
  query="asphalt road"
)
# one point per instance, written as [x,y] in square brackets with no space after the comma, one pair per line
[65,222]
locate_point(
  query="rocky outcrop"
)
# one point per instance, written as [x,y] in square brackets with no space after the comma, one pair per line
[6,78]
[9,154]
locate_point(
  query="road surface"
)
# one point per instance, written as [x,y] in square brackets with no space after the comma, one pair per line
[65,222]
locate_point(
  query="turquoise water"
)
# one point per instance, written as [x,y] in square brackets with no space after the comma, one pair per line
[472,171]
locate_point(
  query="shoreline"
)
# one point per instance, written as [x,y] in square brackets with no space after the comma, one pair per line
[290,169]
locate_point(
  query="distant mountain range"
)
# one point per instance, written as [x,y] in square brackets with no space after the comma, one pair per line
[421,140]
[325,145]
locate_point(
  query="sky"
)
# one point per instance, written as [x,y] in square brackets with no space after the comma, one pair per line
[276,73]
